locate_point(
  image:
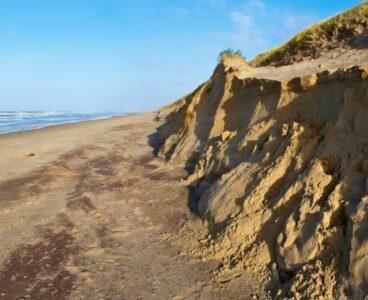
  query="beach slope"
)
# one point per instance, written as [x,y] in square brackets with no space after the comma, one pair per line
[87,212]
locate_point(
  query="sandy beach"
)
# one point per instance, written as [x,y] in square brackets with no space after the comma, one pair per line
[244,176]
[88,212]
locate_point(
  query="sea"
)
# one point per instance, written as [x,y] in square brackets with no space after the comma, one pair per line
[12,121]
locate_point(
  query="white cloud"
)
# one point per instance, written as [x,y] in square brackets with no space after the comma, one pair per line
[291,24]
[241,19]
[214,2]
[181,10]
[248,40]
[246,35]
[256,29]
[148,62]
[298,21]
[257,4]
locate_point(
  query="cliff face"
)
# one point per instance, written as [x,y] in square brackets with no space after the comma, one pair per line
[280,170]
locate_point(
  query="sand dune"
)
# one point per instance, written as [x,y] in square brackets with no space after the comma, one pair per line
[280,170]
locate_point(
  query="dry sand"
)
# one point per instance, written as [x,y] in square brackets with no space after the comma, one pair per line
[93,215]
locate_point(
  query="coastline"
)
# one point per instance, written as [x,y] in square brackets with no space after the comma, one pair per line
[94,215]
[47,143]
[66,123]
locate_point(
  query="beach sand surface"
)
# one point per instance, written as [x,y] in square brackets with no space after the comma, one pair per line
[88,212]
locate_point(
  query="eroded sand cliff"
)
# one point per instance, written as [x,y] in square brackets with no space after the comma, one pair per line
[280,171]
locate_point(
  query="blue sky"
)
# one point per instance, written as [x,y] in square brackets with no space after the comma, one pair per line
[123,55]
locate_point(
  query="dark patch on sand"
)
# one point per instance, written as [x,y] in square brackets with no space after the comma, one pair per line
[17,188]
[143,159]
[78,153]
[158,176]
[58,287]
[104,236]
[151,167]
[90,184]
[106,160]
[105,172]
[81,203]
[105,165]
[122,127]
[36,271]
[164,176]
[146,161]
[128,126]
[66,158]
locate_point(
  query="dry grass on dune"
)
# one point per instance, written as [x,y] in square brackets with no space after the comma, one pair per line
[341,27]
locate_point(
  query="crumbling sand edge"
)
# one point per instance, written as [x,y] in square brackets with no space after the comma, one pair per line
[280,169]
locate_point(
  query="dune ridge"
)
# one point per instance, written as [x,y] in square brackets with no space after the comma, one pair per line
[345,30]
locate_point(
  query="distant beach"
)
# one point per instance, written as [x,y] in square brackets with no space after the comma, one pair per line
[12,121]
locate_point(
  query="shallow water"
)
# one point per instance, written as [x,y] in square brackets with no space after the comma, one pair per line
[11,121]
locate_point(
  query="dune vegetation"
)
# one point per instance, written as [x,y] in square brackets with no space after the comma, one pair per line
[329,34]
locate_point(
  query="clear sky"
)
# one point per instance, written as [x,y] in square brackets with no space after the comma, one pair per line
[133,55]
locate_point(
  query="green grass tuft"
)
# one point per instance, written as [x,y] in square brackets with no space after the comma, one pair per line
[229,53]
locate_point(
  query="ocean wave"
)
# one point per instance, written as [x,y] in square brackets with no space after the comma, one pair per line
[30,114]
[17,121]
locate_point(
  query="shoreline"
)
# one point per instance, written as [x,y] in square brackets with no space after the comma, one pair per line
[67,123]
[47,143]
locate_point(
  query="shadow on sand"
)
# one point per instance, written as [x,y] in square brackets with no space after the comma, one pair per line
[156,142]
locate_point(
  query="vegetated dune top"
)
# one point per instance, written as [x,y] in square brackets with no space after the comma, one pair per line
[347,30]
[331,60]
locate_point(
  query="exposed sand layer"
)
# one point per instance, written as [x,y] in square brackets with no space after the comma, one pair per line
[280,170]
[93,215]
